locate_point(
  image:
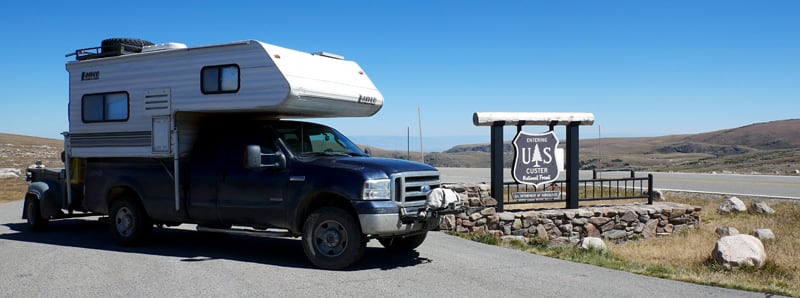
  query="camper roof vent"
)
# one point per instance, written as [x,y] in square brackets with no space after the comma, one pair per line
[163,47]
[329,55]
[111,47]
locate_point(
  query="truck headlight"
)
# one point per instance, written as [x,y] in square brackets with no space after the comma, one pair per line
[377,189]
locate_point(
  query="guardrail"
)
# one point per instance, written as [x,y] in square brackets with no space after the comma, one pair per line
[590,190]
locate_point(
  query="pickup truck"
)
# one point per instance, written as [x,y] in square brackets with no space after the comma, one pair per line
[253,177]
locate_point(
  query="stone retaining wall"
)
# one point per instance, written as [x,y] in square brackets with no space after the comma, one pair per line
[617,223]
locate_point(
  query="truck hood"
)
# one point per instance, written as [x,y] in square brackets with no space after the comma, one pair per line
[389,165]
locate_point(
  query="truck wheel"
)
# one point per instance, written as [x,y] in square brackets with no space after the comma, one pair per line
[35,220]
[400,244]
[128,222]
[332,239]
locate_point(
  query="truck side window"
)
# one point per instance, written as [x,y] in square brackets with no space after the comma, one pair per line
[104,107]
[219,79]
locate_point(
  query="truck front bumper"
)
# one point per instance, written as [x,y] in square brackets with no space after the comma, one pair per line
[383,218]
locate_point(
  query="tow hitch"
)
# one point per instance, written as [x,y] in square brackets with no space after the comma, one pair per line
[440,201]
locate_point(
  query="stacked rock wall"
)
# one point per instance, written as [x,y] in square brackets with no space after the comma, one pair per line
[616,223]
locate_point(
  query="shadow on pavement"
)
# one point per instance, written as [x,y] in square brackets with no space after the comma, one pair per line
[193,246]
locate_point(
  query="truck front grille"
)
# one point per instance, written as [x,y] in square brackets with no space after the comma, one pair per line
[411,188]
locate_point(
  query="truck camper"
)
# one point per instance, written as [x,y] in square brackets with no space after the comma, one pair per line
[166,134]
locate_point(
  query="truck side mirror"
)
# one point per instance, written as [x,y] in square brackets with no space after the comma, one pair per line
[253,159]
[368,151]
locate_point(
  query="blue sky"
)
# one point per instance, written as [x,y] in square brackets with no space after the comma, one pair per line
[644,68]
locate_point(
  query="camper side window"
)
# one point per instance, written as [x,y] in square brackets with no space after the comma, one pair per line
[219,79]
[105,107]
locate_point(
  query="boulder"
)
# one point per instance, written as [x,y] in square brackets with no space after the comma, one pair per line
[467,223]
[658,195]
[541,232]
[507,216]
[639,228]
[762,208]
[508,239]
[739,250]
[493,221]
[488,211]
[726,231]
[517,225]
[592,242]
[732,205]
[599,221]
[559,241]
[584,213]
[607,227]
[489,202]
[763,234]
[616,234]
[579,221]
[629,216]
[475,216]
[474,202]
[644,218]
[650,228]
[592,231]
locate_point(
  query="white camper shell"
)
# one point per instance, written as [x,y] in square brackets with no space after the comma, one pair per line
[146,103]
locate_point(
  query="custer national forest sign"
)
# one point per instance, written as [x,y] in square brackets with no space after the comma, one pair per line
[535,158]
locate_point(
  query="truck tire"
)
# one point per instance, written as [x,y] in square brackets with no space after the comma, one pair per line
[34,214]
[332,239]
[400,244]
[128,222]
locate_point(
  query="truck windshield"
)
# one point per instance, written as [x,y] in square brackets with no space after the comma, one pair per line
[308,139]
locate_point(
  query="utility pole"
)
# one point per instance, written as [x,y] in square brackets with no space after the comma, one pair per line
[419,116]
[599,153]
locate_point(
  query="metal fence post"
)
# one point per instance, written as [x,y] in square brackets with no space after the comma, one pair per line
[650,189]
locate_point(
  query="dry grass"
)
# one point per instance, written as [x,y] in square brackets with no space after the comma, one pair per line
[12,189]
[685,256]
[19,152]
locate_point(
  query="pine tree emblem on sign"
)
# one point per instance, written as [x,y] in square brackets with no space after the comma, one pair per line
[535,158]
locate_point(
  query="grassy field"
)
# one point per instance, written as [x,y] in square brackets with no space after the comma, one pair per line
[686,256]
[12,189]
[19,152]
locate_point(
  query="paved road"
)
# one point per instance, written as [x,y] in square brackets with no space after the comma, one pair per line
[759,185]
[76,258]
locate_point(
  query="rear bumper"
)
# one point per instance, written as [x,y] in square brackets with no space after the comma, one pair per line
[382,218]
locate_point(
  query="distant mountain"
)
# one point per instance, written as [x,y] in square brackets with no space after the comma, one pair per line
[12,139]
[783,134]
[507,146]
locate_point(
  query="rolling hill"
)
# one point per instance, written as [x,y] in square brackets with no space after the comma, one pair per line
[768,148]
